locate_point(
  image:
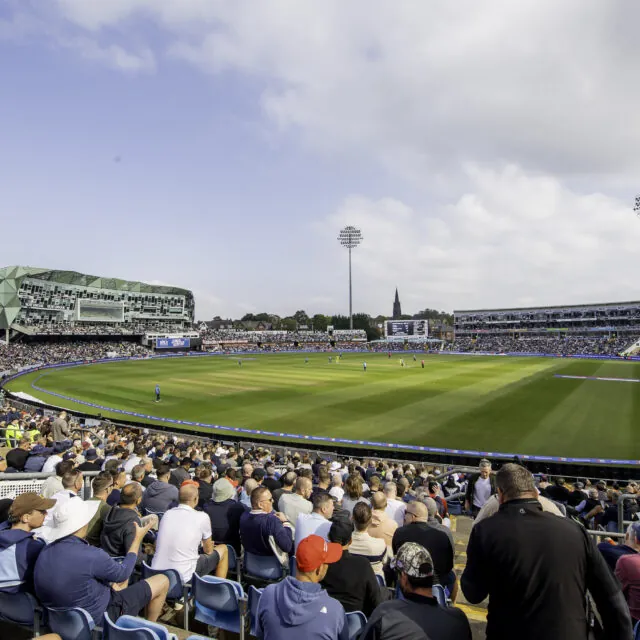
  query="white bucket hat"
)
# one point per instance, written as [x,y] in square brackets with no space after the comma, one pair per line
[335,466]
[71,516]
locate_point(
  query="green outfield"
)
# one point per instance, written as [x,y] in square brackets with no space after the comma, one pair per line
[480,403]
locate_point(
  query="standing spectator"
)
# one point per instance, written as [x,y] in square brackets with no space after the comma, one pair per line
[60,428]
[204,479]
[19,550]
[261,522]
[299,607]
[382,526]
[224,513]
[318,521]
[417,614]
[362,544]
[395,508]
[294,504]
[481,486]
[351,580]
[181,532]
[353,493]
[437,541]
[627,570]
[160,496]
[324,480]
[509,559]
[270,480]
[288,482]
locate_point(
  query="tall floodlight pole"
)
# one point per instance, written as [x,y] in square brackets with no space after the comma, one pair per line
[350,237]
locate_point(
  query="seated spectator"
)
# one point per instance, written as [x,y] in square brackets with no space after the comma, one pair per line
[72,483]
[181,532]
[362,544]
[382,526]
[318,521]
[612,552]
[351,580]
[38,456]
[118,531]
[53,484]
[353,493]
[577,495]
[181,473]
[245,492]
[134,459]
[590,507]
[224,513]
[91,461]
[137,476]
[160,496]
[261,522]
[101,487]
[417,614]
[119,480]
[51,462]
[288,481]
[270,481]
[395,508]
[148,470]
[557,491]
[19,550]
[17,458]
[293,504]
[204,479]
[71,573]
[437,540]
[299,607]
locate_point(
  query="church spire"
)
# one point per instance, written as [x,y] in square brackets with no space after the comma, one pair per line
[397,309]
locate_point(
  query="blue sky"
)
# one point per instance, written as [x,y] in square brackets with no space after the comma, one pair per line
[221,147]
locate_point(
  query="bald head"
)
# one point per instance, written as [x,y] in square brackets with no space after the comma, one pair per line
[304,487]
[420,510]
[378,501]
[188,494]
[249,485]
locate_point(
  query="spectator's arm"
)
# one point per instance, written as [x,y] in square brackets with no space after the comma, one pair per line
[474,578]
[372,595]
[107,570]
[207,546]
[129,536]
[581,506]
[607,595]
[283,536]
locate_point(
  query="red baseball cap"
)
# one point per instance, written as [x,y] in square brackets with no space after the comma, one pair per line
[315,551]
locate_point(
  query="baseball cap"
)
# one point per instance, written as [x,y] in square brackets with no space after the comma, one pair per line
[315,551]
[414,560]
[28,502]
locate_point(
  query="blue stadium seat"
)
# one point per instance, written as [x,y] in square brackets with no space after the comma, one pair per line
[262,568]
[233,561]
[132,628]
[22,609]
[439,594]
[71,624]
[219,603]
[292,566]
[177,589]
[197,638]
[356,620]
[380,580]
[254,600]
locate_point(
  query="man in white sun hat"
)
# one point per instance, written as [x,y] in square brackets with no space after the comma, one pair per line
[71,573]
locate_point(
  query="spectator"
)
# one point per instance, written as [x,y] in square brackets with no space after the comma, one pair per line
[119,480]
[19,550]
[481,486]
[395,508]
[91,461]
[352,493]
[101,487]
[148,470]
[557,491]
[510,559]
[160,496]
[612,552]
[437,540]
[324,481]
[224,513]
[181,473]
[134,459]
[87,577]
[181,532]
[362,544]
[261,522]
[245,493]
[292,505]
[336,490]
[54,458]
[627,570]
[204,479]
[318,521]
[382,526]
[53,484]
[137,476]
[492,505]
[417,614]
[60,428]
[72,483]
[270,480]
[118,529]
[299,607]
[17,458]
[351,580]
[288,482]
[577,495]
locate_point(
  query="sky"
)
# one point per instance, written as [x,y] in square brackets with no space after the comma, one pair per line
[489,152]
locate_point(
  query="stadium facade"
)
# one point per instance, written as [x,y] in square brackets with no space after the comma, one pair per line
[34,300]
[585,319]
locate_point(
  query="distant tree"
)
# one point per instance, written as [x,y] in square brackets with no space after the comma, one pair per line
[320,322]
[301,317]
[262,317]
[289,324]
[433,314]
[247,317]
[340,322]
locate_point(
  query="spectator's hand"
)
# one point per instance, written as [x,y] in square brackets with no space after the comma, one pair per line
[281,517]
[141,532]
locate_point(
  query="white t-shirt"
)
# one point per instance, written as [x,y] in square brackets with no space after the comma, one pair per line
[180,533]
[396,510]
[481,492]
[50,463]
[130,463]
[309,524]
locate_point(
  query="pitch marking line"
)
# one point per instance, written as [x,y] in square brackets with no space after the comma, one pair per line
[560,375]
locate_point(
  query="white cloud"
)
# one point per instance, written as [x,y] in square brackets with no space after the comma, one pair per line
[113,56]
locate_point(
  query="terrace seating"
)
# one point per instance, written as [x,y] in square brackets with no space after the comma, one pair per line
[220,603]
[263,569]
[356,621]
[178,590]
[71,624]
[132,628]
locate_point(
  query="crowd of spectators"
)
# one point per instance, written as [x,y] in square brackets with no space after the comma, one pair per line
[104,328]
[556,345]
[361,532]
[223,336]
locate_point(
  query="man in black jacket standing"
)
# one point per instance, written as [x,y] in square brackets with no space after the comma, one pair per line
[536,569]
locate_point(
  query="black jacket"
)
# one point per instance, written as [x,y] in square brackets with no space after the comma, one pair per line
[225,521]
[351,582]
[118,531]
[434,540]
[471,486]
[416,618]
[536,569]
[205,492]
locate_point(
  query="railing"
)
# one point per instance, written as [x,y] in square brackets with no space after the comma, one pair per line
[13,484]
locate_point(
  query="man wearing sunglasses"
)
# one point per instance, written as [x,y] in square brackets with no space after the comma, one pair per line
[19,550]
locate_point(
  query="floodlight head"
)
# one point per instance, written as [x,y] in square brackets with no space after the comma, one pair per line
[350,237]
[636,208]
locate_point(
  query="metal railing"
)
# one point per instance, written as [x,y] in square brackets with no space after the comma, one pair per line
[13,484]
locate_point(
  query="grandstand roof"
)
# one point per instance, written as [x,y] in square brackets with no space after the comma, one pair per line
[548,307]
[83,280]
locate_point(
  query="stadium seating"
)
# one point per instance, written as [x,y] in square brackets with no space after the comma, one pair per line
[219,603]
[132,628]
[22,609]
[177,589]
[252,607]
[356,620]
[71,624]
[261,568]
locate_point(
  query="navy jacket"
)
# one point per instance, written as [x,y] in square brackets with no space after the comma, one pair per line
[225,521]
[19,551]
[255,529]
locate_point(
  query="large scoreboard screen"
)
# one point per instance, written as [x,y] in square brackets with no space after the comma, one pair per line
[407,328]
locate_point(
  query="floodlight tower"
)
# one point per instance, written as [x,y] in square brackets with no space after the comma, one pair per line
[350,237]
